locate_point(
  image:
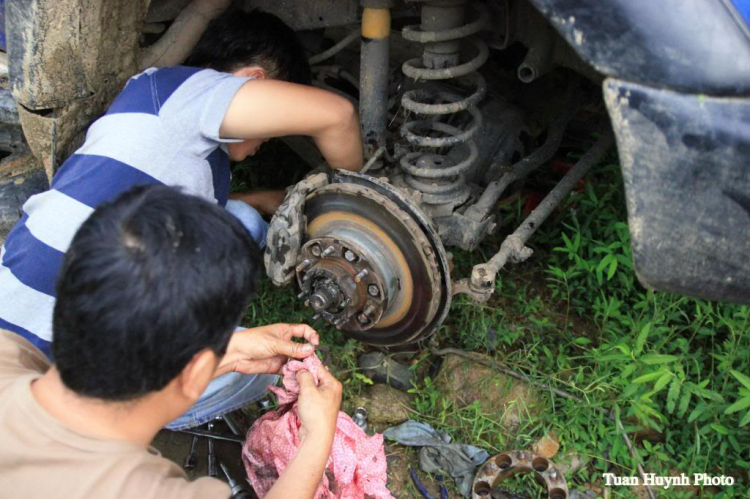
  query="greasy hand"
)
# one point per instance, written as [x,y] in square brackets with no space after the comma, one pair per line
[318,406]
[265,349]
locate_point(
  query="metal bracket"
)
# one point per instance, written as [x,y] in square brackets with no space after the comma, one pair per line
[506,464]
[287,230]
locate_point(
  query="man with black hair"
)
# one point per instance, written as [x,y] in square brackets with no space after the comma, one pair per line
[180,126]
[148,297]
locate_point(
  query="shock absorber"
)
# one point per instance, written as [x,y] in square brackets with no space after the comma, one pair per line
[433,169]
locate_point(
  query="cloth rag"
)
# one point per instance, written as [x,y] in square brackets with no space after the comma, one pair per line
[437,453]
[356,467]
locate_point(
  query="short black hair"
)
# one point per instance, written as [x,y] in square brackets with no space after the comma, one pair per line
[150,279]
[237,39]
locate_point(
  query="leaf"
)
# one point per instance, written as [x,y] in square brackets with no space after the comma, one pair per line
[662,382]
[743,403]
[687,394]
[623,348]
[658,359]
[648,377]
[364,379]
[612,269]
[640,341]
[741,378]
[709,394]
[582,341]
[568,243]
[746,419]
[673,394]
[612,357]
[700,409]
[604,262]
[720,429]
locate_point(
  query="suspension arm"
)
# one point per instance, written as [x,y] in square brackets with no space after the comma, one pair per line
[482,282]
[525,166]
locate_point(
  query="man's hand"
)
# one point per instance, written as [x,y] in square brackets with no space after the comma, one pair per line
[265,349]
[318,409]
[318,406]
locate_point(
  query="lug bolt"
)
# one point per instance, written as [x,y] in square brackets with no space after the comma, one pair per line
[521,456]
[368,311]
[303,265]
[316,317]
[553,474]
[327,252]
[362,274]
[350,256]
[373,290]
[315,250]
[301,295]
[363,319]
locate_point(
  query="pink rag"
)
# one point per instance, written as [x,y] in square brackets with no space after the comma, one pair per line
[356,467]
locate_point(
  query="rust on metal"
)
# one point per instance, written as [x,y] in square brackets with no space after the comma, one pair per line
[507,464]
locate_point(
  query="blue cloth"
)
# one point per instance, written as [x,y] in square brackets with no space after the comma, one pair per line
[225,394]
[438,453]
[251,219]
[163,128]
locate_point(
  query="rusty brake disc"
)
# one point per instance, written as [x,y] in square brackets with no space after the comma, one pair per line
[371,263]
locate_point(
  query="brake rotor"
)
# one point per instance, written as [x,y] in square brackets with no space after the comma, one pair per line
[371,264]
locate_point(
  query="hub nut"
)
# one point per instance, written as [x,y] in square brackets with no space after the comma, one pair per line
[315,250]
[373,290]
[350,256]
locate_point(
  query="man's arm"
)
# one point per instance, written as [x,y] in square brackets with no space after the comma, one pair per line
[266,202]
[264,109]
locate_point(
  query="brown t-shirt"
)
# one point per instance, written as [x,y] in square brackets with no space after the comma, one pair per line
[41,458]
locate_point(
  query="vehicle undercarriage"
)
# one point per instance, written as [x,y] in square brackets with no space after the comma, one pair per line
[459,102]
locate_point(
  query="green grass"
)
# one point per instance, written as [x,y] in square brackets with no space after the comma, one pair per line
[674,369]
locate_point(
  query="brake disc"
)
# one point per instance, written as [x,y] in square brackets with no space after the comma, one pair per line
[371,263]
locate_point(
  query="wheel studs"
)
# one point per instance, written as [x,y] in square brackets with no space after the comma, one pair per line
[361,275]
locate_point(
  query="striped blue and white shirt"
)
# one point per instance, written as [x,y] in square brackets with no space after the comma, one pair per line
[163,128]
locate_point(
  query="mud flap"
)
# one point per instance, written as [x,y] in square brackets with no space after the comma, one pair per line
[685,164]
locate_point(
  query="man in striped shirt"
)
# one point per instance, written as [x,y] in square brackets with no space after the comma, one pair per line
[179,126]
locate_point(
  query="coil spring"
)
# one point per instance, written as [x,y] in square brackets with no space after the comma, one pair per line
[439,178]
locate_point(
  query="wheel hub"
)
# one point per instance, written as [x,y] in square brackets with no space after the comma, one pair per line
[371,264]
[341,285]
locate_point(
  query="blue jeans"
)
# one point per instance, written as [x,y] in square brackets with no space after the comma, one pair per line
[234,390]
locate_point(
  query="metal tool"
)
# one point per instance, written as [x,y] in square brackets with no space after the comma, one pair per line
[231,423]
[238,489]
[191,460]
[360,418]
[214,435]
[212,469]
